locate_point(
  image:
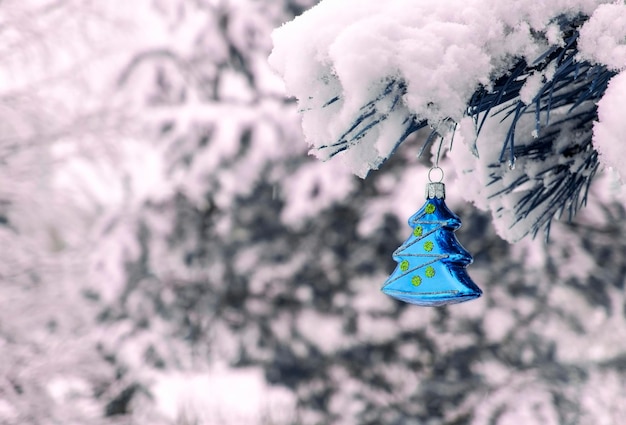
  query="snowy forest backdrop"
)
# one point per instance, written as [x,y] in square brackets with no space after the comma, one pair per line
[170,254]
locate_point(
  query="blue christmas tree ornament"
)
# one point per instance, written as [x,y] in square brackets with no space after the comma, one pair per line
[431,268]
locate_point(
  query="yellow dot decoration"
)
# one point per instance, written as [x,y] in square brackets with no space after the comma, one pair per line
[430,208]
[428,246]
[416,281]
[418,231]
[430,271]
[404,265]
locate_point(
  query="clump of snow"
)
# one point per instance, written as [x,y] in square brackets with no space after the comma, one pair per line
[222,395]
[603,36]
[310,191]
[7,412]
[524,401]
[349,51]
[609,131]
[498,323]
[531,87]
[603,393]
[325,331]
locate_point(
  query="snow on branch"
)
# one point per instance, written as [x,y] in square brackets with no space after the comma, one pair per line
[367,74]
[362,69]
[374,113]
[555,161]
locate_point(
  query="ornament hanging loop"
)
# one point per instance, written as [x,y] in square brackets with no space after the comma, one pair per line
[438,172]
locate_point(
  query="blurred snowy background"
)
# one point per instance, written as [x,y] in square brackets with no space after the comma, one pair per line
[169,254]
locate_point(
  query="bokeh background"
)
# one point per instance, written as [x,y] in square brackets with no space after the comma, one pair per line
[170,254]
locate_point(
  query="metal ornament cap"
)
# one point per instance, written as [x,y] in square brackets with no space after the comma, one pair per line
[435,190]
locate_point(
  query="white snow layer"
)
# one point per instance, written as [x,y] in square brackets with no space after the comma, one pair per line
[222,396]
[603,37]
[609,131]
[442,50]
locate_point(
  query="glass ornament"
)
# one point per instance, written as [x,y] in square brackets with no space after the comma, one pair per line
[431,268]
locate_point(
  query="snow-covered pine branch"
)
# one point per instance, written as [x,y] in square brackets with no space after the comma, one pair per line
[367,74]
